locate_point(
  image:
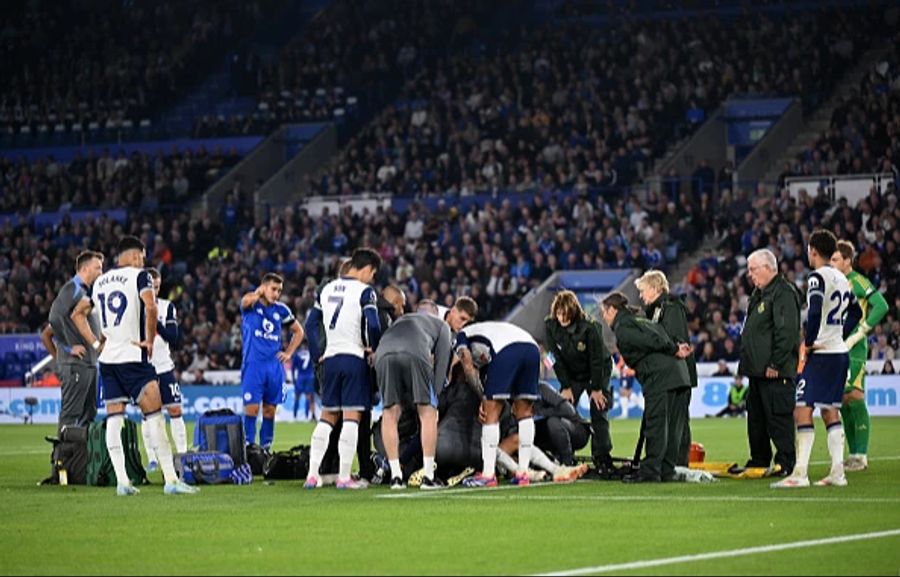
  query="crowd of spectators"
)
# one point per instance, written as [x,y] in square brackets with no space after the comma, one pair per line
[579,106]
[718,289]
[137,182]
[71,65]
[351,55]
[864,133]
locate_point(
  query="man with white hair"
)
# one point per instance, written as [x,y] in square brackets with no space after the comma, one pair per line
[770,351]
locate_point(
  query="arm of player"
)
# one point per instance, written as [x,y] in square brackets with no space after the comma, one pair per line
[79,316]
[878,308]
[296,339]
[151,312]
[47,340]
[369,304]
[170,331]
[813,318]
[562,374]
[473,377]
[251,298]
[313,322]
[854,318]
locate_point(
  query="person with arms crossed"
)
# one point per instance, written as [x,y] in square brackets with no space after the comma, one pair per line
[68,337]
[411,365]
[511,359]
[857,424]
[262,369]
[167,335]
[352,330]
[126,303]
[832,314]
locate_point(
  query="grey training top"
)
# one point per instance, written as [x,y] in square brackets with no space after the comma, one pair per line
[65,333]
[422,336]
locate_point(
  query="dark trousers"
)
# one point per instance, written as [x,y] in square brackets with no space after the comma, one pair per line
[561,437]
[770,420]
[79,395]
[601,441]
[663,432]
[683,397]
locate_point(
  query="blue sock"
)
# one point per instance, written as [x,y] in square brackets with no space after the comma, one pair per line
[250,429]
[267,432]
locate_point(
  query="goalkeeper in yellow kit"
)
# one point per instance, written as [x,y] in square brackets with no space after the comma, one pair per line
[854,412]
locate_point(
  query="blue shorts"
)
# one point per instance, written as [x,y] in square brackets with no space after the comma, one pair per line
[263,382]
[514,373]
[169,389]
[823,380]
[126,382]
[346,385]
[305,385]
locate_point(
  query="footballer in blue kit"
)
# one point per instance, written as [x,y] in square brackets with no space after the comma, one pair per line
[262,371]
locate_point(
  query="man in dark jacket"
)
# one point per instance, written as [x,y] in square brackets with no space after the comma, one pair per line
[658,365]
[582,363]
[671,313]
[770,351]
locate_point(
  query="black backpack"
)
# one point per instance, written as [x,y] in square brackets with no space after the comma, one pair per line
[256,458]
[69,459]
[290,464]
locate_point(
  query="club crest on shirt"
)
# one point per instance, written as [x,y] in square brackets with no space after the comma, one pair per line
[761,308]
[581,347]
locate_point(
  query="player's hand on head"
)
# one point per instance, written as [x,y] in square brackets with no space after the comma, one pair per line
[568,395]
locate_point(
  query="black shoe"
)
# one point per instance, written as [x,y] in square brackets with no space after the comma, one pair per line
[634,479]
[432,484]
[397,484]
[780,472]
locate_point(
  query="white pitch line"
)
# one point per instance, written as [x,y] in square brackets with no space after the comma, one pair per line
[466,490]
[894,458]
[34,452]
[674,499]
[637,565]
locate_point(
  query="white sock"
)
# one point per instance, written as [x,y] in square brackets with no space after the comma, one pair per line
[114,425]
[160,442]
[624,402]
[806,437]
[396,470]
[505,462]
[526,443]
[179,434]
[836,449]
[429,467]
[490,438]
[541,460]
[145,434]
[347,448]
[318,445]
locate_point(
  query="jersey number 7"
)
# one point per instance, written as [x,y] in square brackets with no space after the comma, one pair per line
[337,311]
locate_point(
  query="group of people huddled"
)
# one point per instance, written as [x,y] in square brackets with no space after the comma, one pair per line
[461,396]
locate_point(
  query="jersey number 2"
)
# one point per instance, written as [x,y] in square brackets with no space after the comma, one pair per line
[116,303]
[837,315]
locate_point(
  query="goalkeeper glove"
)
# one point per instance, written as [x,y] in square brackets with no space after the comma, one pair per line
[859,334]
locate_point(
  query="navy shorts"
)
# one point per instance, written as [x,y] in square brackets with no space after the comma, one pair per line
[346,385]
[263,382]
[169,389]
[823,380]
[126,382]
[514,373]
[305,385]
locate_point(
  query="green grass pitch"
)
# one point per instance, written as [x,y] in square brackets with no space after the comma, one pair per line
[593,526]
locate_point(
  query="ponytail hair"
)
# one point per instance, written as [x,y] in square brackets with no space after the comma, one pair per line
[619,301]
